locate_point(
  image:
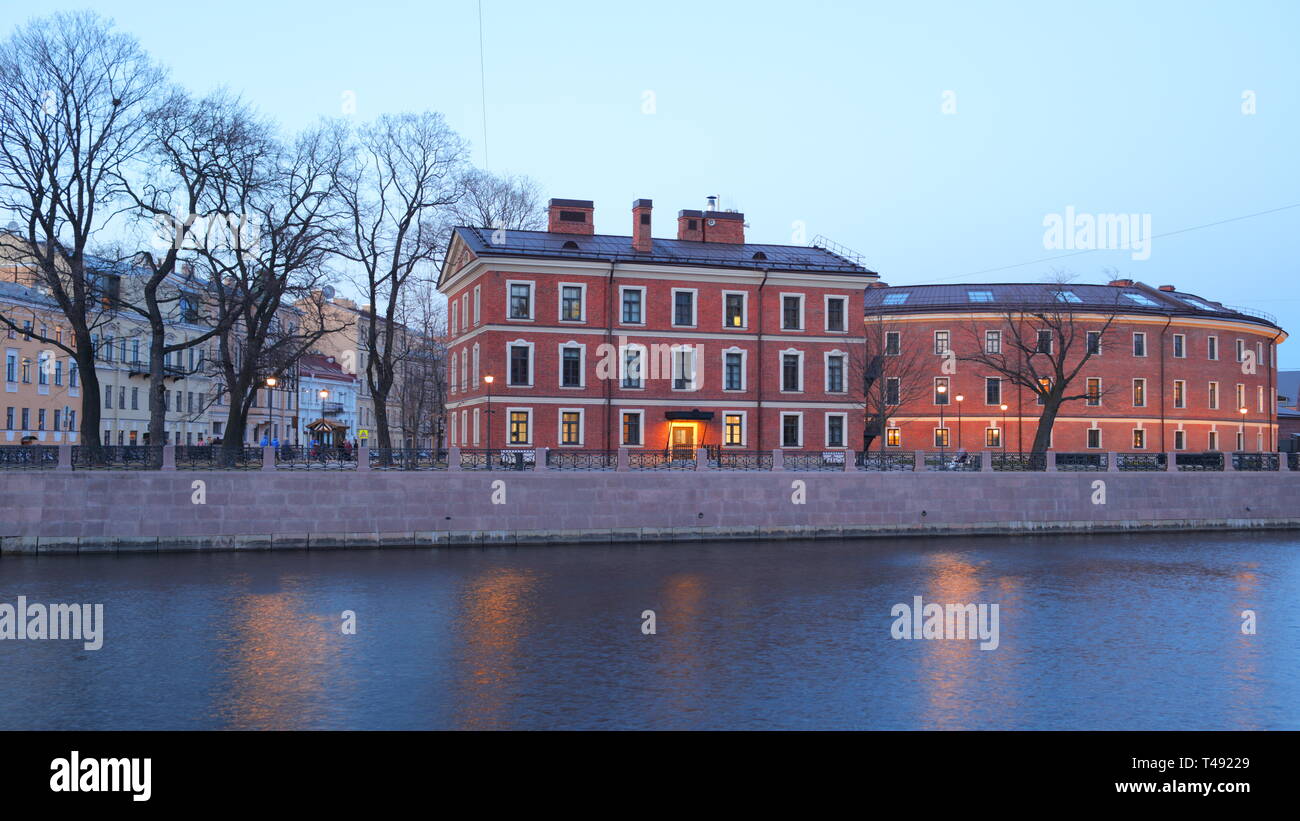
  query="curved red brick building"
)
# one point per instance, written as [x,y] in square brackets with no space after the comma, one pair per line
[1168,370]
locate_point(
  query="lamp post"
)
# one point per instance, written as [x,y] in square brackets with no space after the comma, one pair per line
[959,399]
[942,390]
[271,382]
[323,394]
[1002,434]
[1243,410]
[488,416]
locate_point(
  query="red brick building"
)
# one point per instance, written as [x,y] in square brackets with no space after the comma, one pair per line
[1172,370]
[597,341]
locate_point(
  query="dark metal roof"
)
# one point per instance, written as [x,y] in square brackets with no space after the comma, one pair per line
[606,247]
[1137,298]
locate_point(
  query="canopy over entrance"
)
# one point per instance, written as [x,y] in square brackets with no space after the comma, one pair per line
[328,432]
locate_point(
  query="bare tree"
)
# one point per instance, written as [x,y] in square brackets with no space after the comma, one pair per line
[74,103]
[405,169]
[1043,347]
[893,373]
[422,388]
[491,201]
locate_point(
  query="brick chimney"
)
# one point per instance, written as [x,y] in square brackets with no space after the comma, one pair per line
[570,217]
[711,226]
[1168,288]
[1122,283]
[641,225]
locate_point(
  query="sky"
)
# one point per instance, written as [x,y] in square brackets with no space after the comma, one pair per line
[936,140]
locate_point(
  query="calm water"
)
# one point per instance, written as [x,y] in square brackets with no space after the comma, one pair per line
[1126,632]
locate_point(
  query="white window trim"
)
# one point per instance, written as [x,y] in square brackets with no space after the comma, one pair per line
[987,403]
[582,365]
[640,426]
[1133,436]
[1174,346]
[1145,349]
[582,302]
[532,300]
[695,308]
[998,352]
[696,381]
[934,391]
[744,311]
[559,427]
[509,412]
[1143,380]
[744,369]
[1179,433]
[1101,391]
[476,426]
[475,367]
[935,342]
[640,288]
[455,364]
[1101,438]
[896,429]
[1174,387]
[826,313]
[781,430]
[826,372]
[997,428]
[780,362]
[455,314]
[803,324]
[478,305]
[826,431]
[643,353]
[532,362]
[1212,395]
[1212,348]
[744,427]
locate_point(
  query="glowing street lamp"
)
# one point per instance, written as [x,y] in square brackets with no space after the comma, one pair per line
[489,379]
[959,399]
[1243,410]
[271,382]
[1002,434]
[942,390]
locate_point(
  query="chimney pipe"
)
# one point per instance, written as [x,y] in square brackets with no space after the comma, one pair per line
[641,240]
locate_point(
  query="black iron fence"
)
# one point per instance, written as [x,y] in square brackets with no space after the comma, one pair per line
[827,460]
[661,460]
[1140,461]
[743,460]
[889,460]
[29,457]
[407,459]
[961,461]
[314,457]
[1020,461]
[1082,461]
[498,459]
[117,457]
[1210,460]
[1258,461]
[216,457]
[582,459]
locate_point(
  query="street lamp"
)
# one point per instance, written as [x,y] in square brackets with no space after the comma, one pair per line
[959,398]
[271,382]
[1002,434]
[488,415]
[942,390]
[324,394]
[1243,410]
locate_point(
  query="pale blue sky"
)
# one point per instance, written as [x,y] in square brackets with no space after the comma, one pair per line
[827,113]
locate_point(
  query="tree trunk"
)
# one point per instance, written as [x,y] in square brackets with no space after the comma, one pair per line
[381,418]
[1043,436]
[90,398]
[157,392]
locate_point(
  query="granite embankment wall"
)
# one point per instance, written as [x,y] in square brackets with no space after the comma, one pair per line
[107,511]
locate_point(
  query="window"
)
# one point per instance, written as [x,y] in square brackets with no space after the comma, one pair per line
[1212,394]
[940,342]
[1180,440]
[979,296]
[521,364]
[791,372]
[1180,393]
[454,360]
[733,429]
[683,307]
[1212,347]
[1180,346]
[631,367]
[835,313]
[478,293]
[834,430]
[632,305]
[570,427]
[58,372]
[1241,397]
[1094,438]
[1139,344]
[992,437]
[791,430]
[892,390]
[733,310]
[993,342]
[892,343]
[40,419]
[684,369]
[1139,439]
[1214,440]
[571,367]
[1139,393]
[632,428]
[1067,296]
[135,399]
[519,427]
[11,367]
[895,299]
[27,419]
[941,437]
[893,437]
[733,371]
[1044,343]
[521,300]
[835,373]
[43,370]
[1094,343]
[1044,387]
[792,312]
[1241,350]
[1241,438]
[571,303]
[941,390]
[1141,299]
[992,390]
[1093,391]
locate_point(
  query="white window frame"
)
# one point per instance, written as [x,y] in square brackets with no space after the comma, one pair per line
[781,429]
[1175,346]
[947,345]
[996,335]
[532,363]
[744,369]
[582,302]
[1212,348]
[559,427]
[640,412]
[744,310]
[643,352]
[510,411]
[1175,398]
[744,428]
[477,428]
[826,313]
[780,363]
[826,430]
[1145,350]
[644,309]
[803,319]
[826,372]
[1180,439]
[1145,398]
[478,305]
[532,300]
[695,308]
[987,403]
[1101,391]
[582,365]
[695,382]
[1101,438]
[455,364]
[1212,394]
[475,370]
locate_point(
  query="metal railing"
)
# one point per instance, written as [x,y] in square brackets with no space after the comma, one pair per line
[117,457]
[953,461]
[889,460]
[1020,461]
[1256,461]
[215,457]
[407,459]
[29,457]
[1210,460]
[497,459]
[1293,461]
[314,457]
[1081,461]
[659,460]
[1140,461]
[826,460]
[582,459]
[743,460]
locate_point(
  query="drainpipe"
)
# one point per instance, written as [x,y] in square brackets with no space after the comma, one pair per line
[1169,318]
[758,410]
[609,335]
